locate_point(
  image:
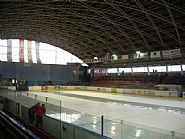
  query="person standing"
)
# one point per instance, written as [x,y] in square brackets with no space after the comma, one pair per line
[40,111]
[31,113]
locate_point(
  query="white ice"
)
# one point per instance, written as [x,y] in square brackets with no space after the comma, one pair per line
[136,115]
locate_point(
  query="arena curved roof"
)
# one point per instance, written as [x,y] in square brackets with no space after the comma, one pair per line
[88,28]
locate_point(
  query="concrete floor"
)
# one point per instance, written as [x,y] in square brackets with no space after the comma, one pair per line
[126,117]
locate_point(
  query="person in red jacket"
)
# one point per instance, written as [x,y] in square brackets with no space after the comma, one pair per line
[40,111]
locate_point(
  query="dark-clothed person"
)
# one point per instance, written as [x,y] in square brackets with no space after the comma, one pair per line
[40,111]
[31,113]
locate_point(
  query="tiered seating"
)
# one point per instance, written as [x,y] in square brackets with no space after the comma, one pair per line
[138,81]
[180,80]
[128,81]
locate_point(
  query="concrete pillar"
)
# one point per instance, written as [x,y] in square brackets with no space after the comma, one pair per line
[106,72]
[182,73]
[167,69]
[132,71]
[148,71]
[118,71]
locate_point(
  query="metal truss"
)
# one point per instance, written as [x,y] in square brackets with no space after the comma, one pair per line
[89,28]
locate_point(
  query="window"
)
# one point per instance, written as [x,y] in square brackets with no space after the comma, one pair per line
[112,70]
[125,70]
[157,68]
[174,68]
[183,67]
[3,50]
[140,69]
[48,54]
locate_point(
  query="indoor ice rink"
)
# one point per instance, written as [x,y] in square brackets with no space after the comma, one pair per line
[92,69]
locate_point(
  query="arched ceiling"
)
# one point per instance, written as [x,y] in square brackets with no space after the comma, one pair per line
[88,28]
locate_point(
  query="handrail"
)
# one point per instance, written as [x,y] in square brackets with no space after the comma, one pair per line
[35,130]
[14,126]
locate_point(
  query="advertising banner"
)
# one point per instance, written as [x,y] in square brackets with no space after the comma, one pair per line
[29,46]
[21,50]
[9,50]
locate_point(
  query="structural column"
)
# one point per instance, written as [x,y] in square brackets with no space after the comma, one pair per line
[118,71]
[166,68]
[132,70]
[148,71]
[182,72]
